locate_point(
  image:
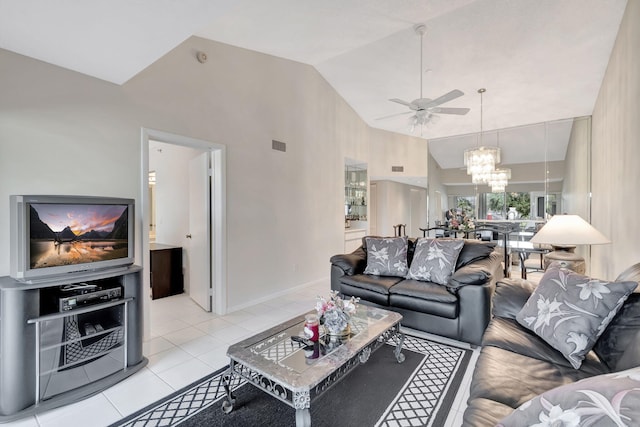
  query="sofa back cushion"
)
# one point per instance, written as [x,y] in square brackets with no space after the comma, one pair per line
[386,256]
[510,296]
[619,344]
[472,251]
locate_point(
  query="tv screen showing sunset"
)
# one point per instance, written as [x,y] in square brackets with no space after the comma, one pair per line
[66,234]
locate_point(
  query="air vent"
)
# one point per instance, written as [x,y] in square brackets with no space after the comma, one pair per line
[397,168]
[279,146]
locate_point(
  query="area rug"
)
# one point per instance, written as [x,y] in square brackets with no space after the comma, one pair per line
[380,392]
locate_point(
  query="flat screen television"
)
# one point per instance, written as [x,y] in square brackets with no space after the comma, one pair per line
[57,235]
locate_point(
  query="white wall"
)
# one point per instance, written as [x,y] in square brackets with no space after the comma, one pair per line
[395,205]
[616,152]
[171,165]
[65,133]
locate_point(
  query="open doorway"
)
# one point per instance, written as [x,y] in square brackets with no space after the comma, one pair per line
[186,209]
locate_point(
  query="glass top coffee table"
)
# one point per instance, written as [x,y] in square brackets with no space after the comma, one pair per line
[297,373]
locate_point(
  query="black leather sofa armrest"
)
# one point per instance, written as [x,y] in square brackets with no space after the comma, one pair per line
[475,311]
[353,263]
[510,296]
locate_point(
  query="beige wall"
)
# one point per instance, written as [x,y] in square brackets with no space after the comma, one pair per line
[399,203]
[437,191]
[65,133]
[577,183]
[616,153]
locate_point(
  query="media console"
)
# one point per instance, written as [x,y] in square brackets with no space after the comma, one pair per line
[67,338]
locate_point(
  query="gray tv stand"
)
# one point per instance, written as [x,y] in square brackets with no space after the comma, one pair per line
[50,358]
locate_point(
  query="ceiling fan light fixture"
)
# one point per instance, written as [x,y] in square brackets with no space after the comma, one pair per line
[425,110]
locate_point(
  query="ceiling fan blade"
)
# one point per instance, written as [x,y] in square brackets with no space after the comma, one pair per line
[394,115]
[445,98]
[445,110]
[408,104]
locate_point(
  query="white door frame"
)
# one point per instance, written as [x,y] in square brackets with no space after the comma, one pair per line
[218,214]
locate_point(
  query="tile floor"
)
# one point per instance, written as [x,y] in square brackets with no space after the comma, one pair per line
[187,343]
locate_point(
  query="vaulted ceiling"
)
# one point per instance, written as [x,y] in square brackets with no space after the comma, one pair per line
[540,60]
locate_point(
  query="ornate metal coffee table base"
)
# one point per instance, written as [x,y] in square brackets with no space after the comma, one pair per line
[300,399]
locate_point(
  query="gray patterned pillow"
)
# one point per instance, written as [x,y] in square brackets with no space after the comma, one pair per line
[570,311]
[386,256]
[603,400]
[434,260]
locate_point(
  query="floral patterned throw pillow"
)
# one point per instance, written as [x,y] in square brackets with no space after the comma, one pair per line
[386,256]
[570,311]
[603,400]
[434,260]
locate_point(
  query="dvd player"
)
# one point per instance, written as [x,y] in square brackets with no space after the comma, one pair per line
[84,297]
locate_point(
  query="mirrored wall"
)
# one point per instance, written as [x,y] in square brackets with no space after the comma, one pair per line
[550,172]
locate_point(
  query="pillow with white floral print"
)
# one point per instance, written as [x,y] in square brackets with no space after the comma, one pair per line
[570,311]
[435,259]
[386,256]
[604,400]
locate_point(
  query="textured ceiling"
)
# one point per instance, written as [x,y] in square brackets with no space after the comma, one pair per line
[540,60]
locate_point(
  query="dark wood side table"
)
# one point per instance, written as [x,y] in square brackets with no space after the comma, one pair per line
[166,270]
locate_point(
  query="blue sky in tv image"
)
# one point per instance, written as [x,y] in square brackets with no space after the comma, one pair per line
[66,234]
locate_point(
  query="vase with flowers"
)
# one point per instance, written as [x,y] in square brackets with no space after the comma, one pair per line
[335,314]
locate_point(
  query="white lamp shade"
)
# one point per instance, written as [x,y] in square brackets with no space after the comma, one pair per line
[569,230]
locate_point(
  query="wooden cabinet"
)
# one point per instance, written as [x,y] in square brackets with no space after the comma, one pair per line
[166,270]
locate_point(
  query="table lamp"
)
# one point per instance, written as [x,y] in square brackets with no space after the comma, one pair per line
[563,233]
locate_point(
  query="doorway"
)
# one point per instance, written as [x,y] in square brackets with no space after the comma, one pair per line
[214,201]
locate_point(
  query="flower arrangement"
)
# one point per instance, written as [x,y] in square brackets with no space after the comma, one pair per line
[466,224]
[336,312]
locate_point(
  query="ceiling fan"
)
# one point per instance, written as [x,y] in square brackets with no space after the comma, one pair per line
[424,109]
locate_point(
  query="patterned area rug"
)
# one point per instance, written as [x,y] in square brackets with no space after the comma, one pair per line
[381,392]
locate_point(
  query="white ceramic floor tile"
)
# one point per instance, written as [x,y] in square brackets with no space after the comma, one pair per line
[128,396]
[161,328]
[168,359]
[24,422]
[260,309]
[257,323]
[199,316]
[95,411]
[201,345]
[184,335]
[216,359]
[237,317]
[213,325]
[185,373]
[155,346]
[231,334]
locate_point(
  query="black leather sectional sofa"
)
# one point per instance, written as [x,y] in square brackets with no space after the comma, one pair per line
[460,310]
[515,365]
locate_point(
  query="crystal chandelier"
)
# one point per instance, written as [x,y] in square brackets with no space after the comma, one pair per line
[481,161]
[499,179]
